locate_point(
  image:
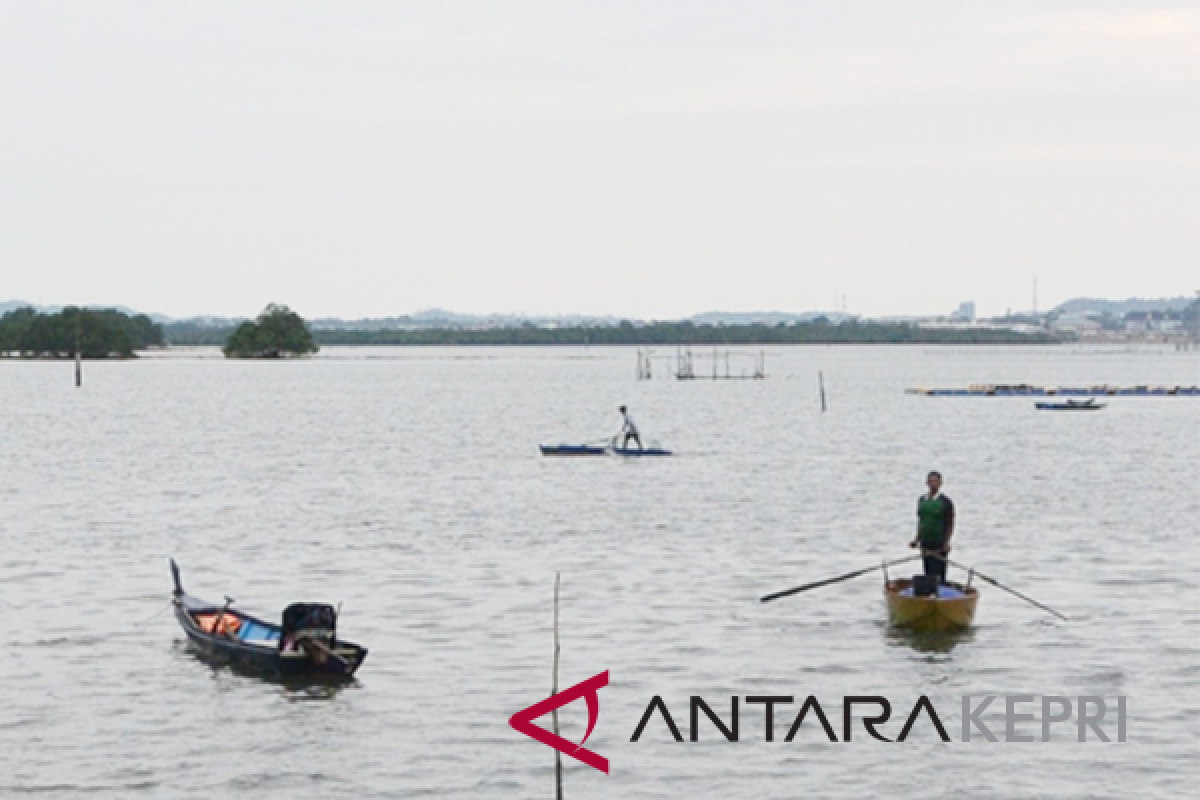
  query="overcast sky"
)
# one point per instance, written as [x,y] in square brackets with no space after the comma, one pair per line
[649,159]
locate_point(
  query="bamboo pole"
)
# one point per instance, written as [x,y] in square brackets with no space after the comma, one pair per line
[558,792]
[821,384]
[79,348]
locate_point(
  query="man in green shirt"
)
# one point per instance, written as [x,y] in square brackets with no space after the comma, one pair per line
[935,527]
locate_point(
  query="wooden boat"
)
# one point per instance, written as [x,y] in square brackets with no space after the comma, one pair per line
[304,648]
[572,450]
[1070,405]
[951,610]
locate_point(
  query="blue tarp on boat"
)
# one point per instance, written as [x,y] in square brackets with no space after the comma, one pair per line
[254,633]
[944,592]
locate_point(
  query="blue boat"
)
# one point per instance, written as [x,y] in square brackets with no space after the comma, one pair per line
[634,452]
[572,450]
[594,450]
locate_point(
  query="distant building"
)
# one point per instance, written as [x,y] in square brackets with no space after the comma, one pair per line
[1083,323]
[1153,321]
[965,311]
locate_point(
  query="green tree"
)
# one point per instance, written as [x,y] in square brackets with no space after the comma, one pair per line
[99,334]
[277,332]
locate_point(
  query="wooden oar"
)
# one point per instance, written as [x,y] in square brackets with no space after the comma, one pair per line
[1001,586]
[838,579]
[325,650]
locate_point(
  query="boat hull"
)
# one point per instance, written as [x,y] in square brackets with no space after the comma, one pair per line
[1068,406]
[265,661]
[572,450]
[930,614]
[633,452]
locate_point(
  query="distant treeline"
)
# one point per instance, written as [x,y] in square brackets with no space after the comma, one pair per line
[100,334]
[686,333]
[191,333]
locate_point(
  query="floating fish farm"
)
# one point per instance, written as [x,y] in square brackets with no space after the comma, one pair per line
[1026,390]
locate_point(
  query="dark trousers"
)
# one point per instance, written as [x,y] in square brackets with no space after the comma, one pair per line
[632,437]
[934,564]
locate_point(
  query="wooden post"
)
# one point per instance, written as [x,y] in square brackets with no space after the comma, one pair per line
[79,348]
[821,384]
[558,793]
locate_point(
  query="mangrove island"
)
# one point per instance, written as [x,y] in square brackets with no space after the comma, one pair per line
[277,332]
[104,333]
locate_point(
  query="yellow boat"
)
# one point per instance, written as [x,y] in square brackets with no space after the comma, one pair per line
[932,614]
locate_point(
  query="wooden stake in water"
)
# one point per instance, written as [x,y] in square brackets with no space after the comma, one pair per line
[79,348]
[821,385]
[558,793]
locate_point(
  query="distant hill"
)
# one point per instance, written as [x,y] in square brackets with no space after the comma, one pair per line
[1083,305]
[436,318]
[767,317]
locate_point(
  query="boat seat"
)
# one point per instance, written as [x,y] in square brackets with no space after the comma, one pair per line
[944,592]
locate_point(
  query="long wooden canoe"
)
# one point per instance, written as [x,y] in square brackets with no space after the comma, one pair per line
[931,614]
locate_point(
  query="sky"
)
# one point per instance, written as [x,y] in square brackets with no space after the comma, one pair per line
[644,159]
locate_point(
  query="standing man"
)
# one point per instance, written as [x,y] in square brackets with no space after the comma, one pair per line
[629,429]
[935,527]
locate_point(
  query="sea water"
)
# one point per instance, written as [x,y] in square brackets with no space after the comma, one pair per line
[406,485]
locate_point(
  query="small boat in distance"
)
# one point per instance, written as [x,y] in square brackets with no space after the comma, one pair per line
[572,450]
[304,648]
[599,450]
[1071,405]
[635,452]
[951,608]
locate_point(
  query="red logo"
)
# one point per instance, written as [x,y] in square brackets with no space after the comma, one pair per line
[523,720]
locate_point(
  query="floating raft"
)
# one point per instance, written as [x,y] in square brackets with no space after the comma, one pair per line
[1026,390]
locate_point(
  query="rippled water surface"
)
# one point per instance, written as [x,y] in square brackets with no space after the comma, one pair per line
[406,484]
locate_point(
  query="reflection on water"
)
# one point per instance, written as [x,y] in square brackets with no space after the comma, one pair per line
[930,642]
[302,692]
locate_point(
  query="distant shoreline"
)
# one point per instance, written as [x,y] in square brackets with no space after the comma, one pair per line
[655,335]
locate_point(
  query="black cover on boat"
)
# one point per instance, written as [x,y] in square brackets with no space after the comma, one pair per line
[308,616]
[925,585]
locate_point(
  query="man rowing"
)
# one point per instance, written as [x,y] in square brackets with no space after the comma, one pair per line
[629,429]
[935,527]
